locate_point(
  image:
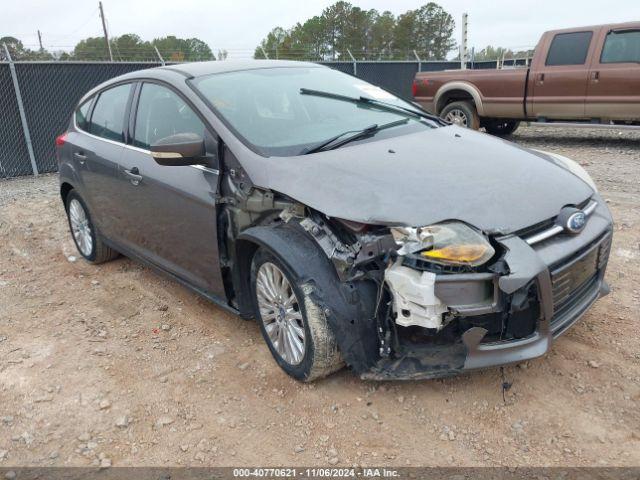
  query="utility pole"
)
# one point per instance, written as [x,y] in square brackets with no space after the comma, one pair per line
[40,40]
[464,53]
[104,28]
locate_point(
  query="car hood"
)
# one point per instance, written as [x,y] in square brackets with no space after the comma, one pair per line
[447,173]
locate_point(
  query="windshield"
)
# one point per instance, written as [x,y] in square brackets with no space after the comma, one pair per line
[267,109]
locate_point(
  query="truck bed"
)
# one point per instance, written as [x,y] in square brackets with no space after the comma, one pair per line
[501,92]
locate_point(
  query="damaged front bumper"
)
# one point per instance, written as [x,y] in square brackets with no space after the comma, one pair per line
[512,317]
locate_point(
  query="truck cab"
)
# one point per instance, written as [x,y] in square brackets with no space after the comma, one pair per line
[583,75]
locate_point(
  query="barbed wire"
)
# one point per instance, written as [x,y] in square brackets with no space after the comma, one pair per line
[66,52]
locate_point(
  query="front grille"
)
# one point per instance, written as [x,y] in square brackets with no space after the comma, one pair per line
[546,224]
[575,279]
[571,277]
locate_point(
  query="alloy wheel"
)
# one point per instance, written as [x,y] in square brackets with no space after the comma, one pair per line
[280,312]
[80,227]
[457,117]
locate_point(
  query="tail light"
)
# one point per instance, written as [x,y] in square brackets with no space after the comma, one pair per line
[60,139]
[414,88]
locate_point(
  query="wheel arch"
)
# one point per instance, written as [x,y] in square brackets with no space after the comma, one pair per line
[348,306]
[65,189]
[454,91]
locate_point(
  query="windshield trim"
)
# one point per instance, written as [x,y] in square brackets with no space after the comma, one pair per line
[245,141]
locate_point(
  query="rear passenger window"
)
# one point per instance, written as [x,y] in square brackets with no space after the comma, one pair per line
[81,115]
[569,48]
[621,47]
[162,113]
[107,120]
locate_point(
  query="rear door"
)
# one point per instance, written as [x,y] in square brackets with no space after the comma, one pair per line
[96,150]
[560,79]
[171,211]
[614,79]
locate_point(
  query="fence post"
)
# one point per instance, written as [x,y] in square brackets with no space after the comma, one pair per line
[355,64]
[159,56]
[23,117]
[415,54]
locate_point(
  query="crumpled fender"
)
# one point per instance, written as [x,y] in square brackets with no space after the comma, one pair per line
[348,306]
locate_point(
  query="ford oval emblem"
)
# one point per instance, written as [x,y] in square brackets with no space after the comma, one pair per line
[576,222]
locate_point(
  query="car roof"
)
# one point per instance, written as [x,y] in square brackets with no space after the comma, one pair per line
[196,69]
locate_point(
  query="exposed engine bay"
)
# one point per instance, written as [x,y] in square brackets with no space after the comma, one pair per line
[404,302]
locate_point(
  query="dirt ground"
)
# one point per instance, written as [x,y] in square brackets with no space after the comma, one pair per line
[116,365]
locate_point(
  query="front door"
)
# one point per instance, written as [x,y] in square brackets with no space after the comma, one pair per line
[614,79]
[560,82]
[171,211]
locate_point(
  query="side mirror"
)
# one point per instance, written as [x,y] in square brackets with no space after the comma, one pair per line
[179,150]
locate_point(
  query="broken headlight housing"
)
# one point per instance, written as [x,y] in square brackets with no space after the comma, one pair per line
[447,243]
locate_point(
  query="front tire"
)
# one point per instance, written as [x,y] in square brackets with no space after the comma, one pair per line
[294,327]
[84,233]
[462,113]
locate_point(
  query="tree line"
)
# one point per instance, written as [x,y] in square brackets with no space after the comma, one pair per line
[128,47]
[367,34]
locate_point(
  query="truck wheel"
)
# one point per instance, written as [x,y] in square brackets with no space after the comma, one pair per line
[293,325]
[500,128]
[462,113]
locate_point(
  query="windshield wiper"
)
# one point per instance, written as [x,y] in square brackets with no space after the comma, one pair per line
[335,142]
[361,100]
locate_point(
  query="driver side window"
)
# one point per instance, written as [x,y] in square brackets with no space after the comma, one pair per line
[161,113]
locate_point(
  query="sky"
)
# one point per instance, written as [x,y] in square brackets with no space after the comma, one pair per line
[238,25]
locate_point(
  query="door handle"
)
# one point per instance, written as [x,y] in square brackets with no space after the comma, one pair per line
[81,157]
[595,77]
[541,77]
[133,175]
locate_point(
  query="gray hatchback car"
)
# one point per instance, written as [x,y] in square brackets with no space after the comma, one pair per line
[352,225]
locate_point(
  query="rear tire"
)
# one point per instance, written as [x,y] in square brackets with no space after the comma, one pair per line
[85,235]
[462,113]
[320,356]
[500,128]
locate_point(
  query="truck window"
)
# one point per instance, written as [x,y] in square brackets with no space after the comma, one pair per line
[621,47]
[569,48]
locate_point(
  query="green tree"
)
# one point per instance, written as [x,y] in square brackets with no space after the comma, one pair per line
[92,48]
[198,50]
[130,47]
[176,49]
[274,45]
[382,35]
[18,51]
[427,30]
[342,28]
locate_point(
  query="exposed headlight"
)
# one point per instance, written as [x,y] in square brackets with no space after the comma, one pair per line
[449,243]
[575,168]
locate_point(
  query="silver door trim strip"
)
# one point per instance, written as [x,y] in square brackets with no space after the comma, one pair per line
[136,149]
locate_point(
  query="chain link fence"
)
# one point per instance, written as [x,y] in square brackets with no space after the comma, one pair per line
[47,93]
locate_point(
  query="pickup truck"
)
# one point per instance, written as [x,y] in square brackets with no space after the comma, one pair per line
[587,75]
